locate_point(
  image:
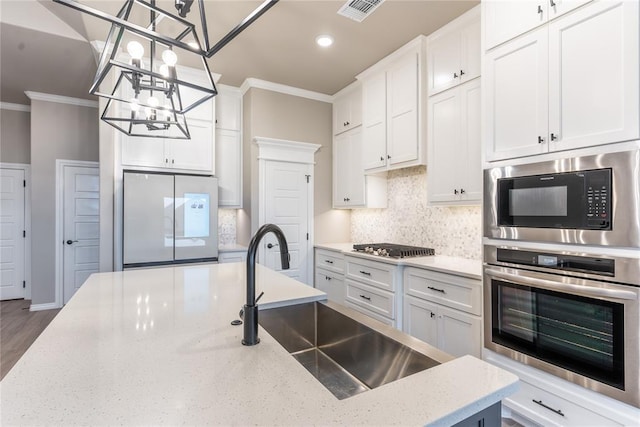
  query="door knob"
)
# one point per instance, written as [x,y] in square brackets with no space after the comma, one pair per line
[70,242]
[271,245]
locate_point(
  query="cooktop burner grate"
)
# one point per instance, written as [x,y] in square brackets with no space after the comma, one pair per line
[393,250]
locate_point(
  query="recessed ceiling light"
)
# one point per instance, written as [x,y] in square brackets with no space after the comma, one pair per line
[324,40]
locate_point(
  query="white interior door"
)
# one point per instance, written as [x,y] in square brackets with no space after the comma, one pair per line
[81,226]
[286,205]
[12,226]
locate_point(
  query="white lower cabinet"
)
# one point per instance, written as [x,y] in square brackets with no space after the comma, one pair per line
[232,256]
[372,287]
[332,284]
[443,310]
[549,401]
[329,274]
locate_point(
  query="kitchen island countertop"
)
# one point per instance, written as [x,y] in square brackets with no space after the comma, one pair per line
[156,347]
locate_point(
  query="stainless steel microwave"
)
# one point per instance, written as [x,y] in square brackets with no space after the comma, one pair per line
[591,200]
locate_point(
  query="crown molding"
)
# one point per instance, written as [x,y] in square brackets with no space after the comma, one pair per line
[15,107]
[38,96]
[287,90]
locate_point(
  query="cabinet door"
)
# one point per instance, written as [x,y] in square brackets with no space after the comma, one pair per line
[470,51]
[374,122]
[341,174]
[341,115]
[446,159]
[459,333]
[506,19]
[143,151]
[516,77]
[402,118]
[229,168]
[332,285]
[471,143]
[420,320]
[204,111]
[355,170]
[195,153]
[444,62]
[228,110]
[593,68]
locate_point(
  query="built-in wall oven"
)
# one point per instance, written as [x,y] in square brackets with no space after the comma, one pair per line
[593,200]
[572,314]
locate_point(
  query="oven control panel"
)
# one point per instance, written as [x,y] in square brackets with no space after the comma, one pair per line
[583,264]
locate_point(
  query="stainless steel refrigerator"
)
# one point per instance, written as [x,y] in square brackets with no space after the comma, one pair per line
[169,219]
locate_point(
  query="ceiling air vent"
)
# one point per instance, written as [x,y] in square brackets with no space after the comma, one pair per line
[359,9]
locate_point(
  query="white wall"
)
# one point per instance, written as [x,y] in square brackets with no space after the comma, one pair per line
[58,131]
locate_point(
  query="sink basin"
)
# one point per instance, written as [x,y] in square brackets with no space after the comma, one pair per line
[346,355]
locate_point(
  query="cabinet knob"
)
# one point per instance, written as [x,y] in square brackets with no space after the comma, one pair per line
[461,73]
[433,315]
[166,160]
[540,140]
[173,161]
[381,159]
[455,191]
[327,278]
[462,191]
[554,136]
[347,124]
[455,75]
[540,9]
[552,3]
[348,199]
[388,156]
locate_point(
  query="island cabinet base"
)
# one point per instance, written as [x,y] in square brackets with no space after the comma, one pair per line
[491,416]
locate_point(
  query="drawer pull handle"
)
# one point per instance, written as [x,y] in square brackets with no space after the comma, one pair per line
[366,273]
[328,261]
[367,298]
[436,289]
[557,411]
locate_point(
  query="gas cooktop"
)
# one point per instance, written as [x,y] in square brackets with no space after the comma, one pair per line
[393,250]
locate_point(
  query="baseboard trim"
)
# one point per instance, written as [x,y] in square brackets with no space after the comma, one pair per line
[41,307]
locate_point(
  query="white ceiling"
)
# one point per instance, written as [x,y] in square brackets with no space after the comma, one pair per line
[279,47]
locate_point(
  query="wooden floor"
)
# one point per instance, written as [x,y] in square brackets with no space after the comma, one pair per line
[19,328]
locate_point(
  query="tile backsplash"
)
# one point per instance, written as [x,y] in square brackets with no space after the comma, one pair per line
[408,219]
[227,226]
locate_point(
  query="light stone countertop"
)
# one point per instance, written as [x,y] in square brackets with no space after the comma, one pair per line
[155,347]
[452,265]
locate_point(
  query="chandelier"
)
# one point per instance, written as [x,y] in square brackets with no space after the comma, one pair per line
[151,95]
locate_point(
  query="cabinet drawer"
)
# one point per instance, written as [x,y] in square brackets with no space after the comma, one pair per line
[376,300]
[333,261]
[372,273]
[452,291]
[556,410]
[369,313]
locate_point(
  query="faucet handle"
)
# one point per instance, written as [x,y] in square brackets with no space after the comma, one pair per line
[258,299]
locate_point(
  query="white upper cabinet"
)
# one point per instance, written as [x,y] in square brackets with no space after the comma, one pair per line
[347,109]
[507,19]
[228,108]
[374,121]
[569,84]
[196,154]
[593,76]
[454,52]
[454,164]
[392,110]
[516,97]
[351,188]
[228,147]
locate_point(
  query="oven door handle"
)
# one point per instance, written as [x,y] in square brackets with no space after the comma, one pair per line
[583,290]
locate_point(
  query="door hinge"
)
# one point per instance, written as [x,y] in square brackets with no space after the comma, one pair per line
[307,236]
[24,284]
[308,176]
[24,233]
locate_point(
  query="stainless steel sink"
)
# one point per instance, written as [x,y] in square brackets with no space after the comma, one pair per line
[346,351]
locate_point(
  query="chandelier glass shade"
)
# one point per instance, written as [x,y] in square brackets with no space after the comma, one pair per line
[152,93]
